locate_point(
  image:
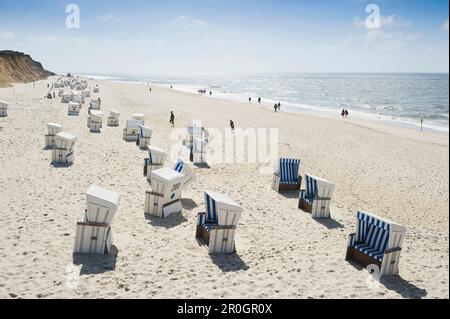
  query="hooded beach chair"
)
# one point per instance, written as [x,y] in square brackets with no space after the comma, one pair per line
[316,197]
[139,117]
[86,93]
[113,119]
[156,158]
[286,176]
[63,152]
[96,89]
[74,109]
[65,98]
[186,170]
[94,234]
[77,97]
[95,120]
[145,134]
[50,138]
[60,92]
[131,131]
[95,104]
[164,198]
[377,241]
[3,109]
[217,227]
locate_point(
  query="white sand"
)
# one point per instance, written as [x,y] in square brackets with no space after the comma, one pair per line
[281,251]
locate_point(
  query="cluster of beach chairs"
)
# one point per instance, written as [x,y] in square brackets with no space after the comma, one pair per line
[377,241]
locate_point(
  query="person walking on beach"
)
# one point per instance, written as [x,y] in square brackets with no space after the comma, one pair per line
[259,100]
[346,113]
[275,107]
[343,113]
[250,100]
[172,119]
[279,107]
[232,126]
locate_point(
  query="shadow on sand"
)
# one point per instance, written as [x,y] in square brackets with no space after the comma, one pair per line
[202,165]
[229,262]
[188,204]
[96,264]
[403,287]
[330,223]
[172,221]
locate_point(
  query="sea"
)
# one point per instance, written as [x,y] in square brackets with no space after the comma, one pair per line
[401,99]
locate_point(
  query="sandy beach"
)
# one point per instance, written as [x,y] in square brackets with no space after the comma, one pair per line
[397,173]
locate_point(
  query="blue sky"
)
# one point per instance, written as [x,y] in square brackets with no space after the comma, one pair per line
[229,36]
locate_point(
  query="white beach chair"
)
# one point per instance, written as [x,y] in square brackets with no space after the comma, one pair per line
[63,153]
[377,241]
[66,97]
[156,159]
[217,227]
[186,170]
[113,119]
[95,104]
[164,198]
[3,109]
[86,93]
[102,205]
[145,134]
[93,238]
[96,89]
[60,92]
[131,131]
[139,117]
[286,176]
[74,109]
[53,129]
[77,97]
[316,197]
[95,121]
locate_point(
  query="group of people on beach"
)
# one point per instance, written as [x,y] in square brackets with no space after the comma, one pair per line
[277,107]
[344,113]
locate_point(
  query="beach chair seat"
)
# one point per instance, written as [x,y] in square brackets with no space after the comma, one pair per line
[316,197]
[286,176]
[145,134]
[95,121]
[216,227]
[164,198]
[186,170]
[50,138]
[113,119]
[131,131]
[156,159]
[93,238]
[377,241]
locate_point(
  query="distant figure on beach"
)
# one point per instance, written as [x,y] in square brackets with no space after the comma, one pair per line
[171,87]
[279,106]
[275,107]
[48,85]
[172,119]
[99,101]
[250,100]
[150,89]
[346,113]
[232,126]
[54,95]
[259,100]
[210,92]
[343,113]
[421,123]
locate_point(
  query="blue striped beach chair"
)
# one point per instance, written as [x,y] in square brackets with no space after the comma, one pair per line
[185,169]
[145,134]
[316,197]
[156,158]
[217,226]
[377,241]
[286,176]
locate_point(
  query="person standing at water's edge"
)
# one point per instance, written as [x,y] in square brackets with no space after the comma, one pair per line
[279,107]
[172,119]
[275,107]
[232,126]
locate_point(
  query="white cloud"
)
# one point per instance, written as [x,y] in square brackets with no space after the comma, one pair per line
[185,20]
[386,22]
[445,25]
[6,35]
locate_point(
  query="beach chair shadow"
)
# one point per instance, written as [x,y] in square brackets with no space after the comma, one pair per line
[172,221]
[96,264]
[202,165]
[289,195]
[57,165]
[403,287]
[188,204]
[330,223]
[229,262]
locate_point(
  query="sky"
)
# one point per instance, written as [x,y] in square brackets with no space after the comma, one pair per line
[229,36]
